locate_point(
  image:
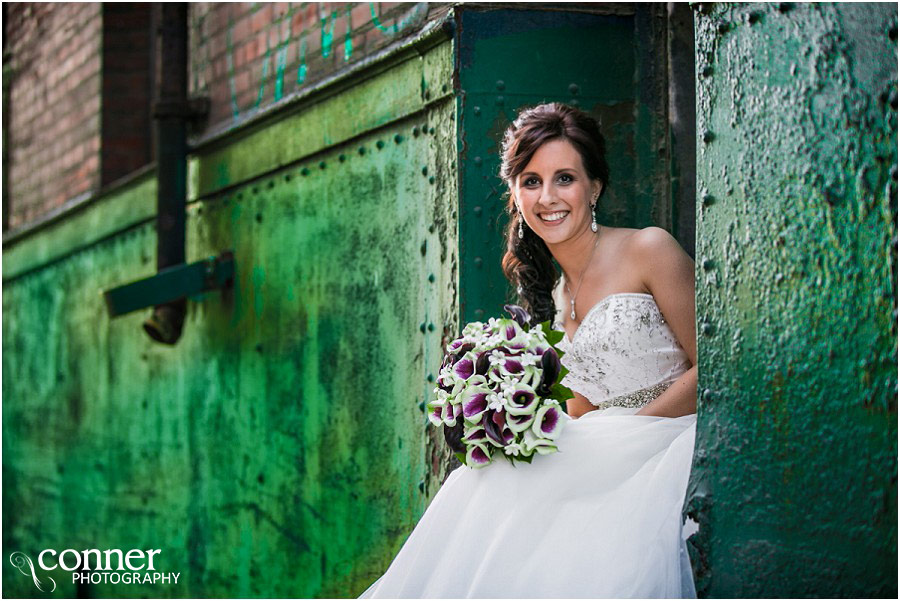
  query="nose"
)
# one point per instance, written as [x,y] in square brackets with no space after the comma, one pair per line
[548,195]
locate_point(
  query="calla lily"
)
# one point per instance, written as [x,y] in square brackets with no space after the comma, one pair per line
[477,456]
[436,411]
[483,363]
[548,421]
[519,423]
[465,367]
[519,314]
[495,427]
[475,434]
[474,402]
[550,367]
[535,443]
[522,400]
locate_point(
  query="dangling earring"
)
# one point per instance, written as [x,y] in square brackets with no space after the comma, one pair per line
[521,232]
[593,216]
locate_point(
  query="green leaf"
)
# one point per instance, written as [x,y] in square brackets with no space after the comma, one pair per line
[560,392]
[461,457]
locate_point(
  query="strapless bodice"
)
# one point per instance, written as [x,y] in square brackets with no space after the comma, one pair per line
[623,353]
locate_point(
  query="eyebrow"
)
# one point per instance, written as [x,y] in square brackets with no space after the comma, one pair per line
[556,172]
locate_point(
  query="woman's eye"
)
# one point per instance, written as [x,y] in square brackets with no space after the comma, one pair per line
[568,178]
[530,181]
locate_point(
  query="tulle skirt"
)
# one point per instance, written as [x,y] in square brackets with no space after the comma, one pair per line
[599,518]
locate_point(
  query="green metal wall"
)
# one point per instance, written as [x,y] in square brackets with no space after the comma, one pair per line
[279,449]
[795,479]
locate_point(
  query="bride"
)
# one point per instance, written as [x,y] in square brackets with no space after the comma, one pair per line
[602,516]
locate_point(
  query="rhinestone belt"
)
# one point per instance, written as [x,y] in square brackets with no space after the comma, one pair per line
[638,398]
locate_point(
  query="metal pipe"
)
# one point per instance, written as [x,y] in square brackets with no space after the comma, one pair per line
[171,113]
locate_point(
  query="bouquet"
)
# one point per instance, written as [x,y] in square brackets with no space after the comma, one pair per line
[499,389]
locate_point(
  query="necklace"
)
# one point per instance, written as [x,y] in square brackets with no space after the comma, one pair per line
[581,280]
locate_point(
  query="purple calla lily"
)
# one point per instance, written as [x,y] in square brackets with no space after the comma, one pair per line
[474,402]
[523,401]
[550,368]
[519,314]
[483,363]
[477,456]
[548,422]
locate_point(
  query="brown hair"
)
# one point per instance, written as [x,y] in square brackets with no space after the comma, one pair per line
[527,263]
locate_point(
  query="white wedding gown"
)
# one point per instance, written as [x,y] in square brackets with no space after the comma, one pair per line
[599,518]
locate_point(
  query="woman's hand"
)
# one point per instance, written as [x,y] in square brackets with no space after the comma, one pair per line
[578,406]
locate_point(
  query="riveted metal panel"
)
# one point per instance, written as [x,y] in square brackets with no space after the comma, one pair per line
[280,448]
[795,481]
[611,65]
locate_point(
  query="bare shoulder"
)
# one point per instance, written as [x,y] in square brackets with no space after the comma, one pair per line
[658,257]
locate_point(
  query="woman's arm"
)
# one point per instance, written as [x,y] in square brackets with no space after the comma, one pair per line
[668,272]
[579,405]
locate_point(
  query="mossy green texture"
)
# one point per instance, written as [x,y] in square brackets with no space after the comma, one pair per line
[795,479]
[277,449]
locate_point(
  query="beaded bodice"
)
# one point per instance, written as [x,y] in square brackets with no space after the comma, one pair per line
[623,352]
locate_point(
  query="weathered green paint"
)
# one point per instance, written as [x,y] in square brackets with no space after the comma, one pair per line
[277,448]
[510,59]
[795,479]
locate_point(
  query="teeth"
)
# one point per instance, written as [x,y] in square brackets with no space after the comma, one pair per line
[554,216]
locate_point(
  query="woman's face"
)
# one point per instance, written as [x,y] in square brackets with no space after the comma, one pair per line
[554,192]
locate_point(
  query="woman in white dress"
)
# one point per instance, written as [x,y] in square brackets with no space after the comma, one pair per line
[602,516]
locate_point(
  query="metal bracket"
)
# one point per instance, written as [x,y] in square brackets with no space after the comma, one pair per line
[172,284]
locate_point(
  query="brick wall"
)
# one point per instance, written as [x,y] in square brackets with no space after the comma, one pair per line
[247,56]
[53,104]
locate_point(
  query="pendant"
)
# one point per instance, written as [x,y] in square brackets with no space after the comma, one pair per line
[572,314]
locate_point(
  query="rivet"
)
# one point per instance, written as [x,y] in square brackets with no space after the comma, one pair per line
[379,144]
[422,327]
[500,85]
[342,157]
[707,71]
[416,131]
[430,329]
[421,486]
[778,278]
[425,170]
[304,171]
[707,395]
[424,128]
[477,160]
[430,377]
[427,94]
[708,264]
[255,189]
[431,180]
[287,177]
[708,136]
[722,26]
[573,88]
[322,164]
[240,195]
[892,33]
[479,313]
[894,172]
[431,277]
[259,348]
[398,138]
[574,102]
[478,261]
[259,218]
[424,247]
[431,130]
[499,101]
[892,98]
[754,17]
[271,183]
[443,87]
[784,7]
[477,211]
[707,329]
[477,110]
[708,199]
[361,150]
[422,406]
[431,228]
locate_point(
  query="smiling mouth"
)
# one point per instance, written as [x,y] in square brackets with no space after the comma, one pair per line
[554,217]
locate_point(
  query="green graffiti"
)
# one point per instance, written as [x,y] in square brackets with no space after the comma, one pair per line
[328,36]
[348,39]
[301,69]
